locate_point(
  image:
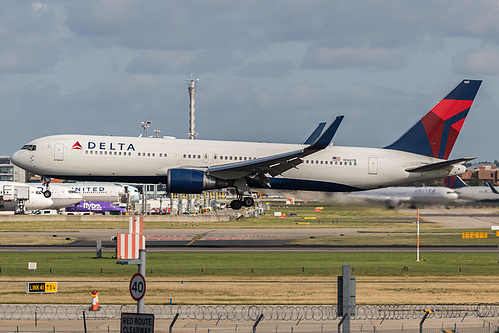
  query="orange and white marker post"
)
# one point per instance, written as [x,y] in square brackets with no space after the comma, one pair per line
[418,237]
[95,301]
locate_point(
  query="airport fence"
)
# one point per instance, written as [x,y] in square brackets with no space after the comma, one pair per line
[251,312]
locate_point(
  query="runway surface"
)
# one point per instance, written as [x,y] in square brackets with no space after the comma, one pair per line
[268,240]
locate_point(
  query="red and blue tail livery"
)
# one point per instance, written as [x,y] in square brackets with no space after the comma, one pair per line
[454,182]
[434,135]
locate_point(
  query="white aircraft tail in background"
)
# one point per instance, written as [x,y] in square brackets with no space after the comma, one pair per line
[472,193]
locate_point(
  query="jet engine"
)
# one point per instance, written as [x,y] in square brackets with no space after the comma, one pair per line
[192,181]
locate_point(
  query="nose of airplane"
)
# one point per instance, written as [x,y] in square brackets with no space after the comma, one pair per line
[15,158]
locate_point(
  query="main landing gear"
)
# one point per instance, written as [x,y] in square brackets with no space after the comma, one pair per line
[46,184]
[240,201]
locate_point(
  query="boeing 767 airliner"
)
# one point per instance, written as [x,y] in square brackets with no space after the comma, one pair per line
[192,166]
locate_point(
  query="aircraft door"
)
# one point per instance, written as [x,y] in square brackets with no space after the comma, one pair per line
[373,166]
[59,152]
[205,158]
[8,192]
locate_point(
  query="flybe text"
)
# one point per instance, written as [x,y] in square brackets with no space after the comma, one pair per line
[111,146]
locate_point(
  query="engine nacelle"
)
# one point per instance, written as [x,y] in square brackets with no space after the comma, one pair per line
[192,181]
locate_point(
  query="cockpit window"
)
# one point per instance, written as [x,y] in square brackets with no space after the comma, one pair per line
[29,147]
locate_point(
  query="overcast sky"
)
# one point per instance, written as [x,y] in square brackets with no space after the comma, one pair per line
[268,70]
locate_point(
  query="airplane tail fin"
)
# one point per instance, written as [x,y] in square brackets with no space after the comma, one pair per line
[454,182]
[492,188]
[436,132]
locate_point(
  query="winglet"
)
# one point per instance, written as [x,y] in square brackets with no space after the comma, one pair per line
[315,134]
[325,139]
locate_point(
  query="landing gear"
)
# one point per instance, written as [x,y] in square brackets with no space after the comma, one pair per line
[46,184]
[20,208]
[236,204]
[240,201]
[248,201]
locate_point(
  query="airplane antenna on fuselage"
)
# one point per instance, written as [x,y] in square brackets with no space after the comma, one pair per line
[192,91]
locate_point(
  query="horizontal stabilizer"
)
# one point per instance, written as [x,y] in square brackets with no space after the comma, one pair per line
[439,165]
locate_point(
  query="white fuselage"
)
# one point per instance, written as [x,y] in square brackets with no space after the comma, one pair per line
[13,193]
[61,196]
[476,193]
[147,160]
[95,192]
[408,195]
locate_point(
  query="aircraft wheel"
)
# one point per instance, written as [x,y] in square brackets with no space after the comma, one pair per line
[47,194]
[236,204]
[248,201]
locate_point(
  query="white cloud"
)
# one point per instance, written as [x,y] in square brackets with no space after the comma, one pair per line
[480,62]
[362,57]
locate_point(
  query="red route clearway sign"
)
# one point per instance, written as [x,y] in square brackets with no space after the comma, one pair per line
[137,323]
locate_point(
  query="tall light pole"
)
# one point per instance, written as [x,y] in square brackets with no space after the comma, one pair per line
[145,124]
[192,91]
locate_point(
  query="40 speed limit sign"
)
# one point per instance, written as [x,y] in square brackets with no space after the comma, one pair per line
[137,287]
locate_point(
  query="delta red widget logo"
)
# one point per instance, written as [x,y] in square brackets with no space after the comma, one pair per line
[77,145]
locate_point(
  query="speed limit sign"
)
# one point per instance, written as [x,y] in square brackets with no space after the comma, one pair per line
[137,287]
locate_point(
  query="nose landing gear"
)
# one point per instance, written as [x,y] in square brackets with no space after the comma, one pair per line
[46,185]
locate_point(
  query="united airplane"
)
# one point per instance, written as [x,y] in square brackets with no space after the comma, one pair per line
[100,191]
[472,193]
[20,197]
[192,166]
[413,196]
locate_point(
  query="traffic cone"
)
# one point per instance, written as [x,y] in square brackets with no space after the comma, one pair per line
[95,301]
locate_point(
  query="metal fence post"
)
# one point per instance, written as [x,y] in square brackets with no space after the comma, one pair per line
[257,322]
[173,323]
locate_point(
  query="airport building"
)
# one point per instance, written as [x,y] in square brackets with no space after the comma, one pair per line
[11,172]
[487,173]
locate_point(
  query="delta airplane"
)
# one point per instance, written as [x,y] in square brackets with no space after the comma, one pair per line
[472,193]
[192,166]
[19,197]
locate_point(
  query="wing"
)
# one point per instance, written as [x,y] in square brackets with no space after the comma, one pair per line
[274,165]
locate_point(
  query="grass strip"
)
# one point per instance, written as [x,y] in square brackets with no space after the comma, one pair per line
[246,266]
